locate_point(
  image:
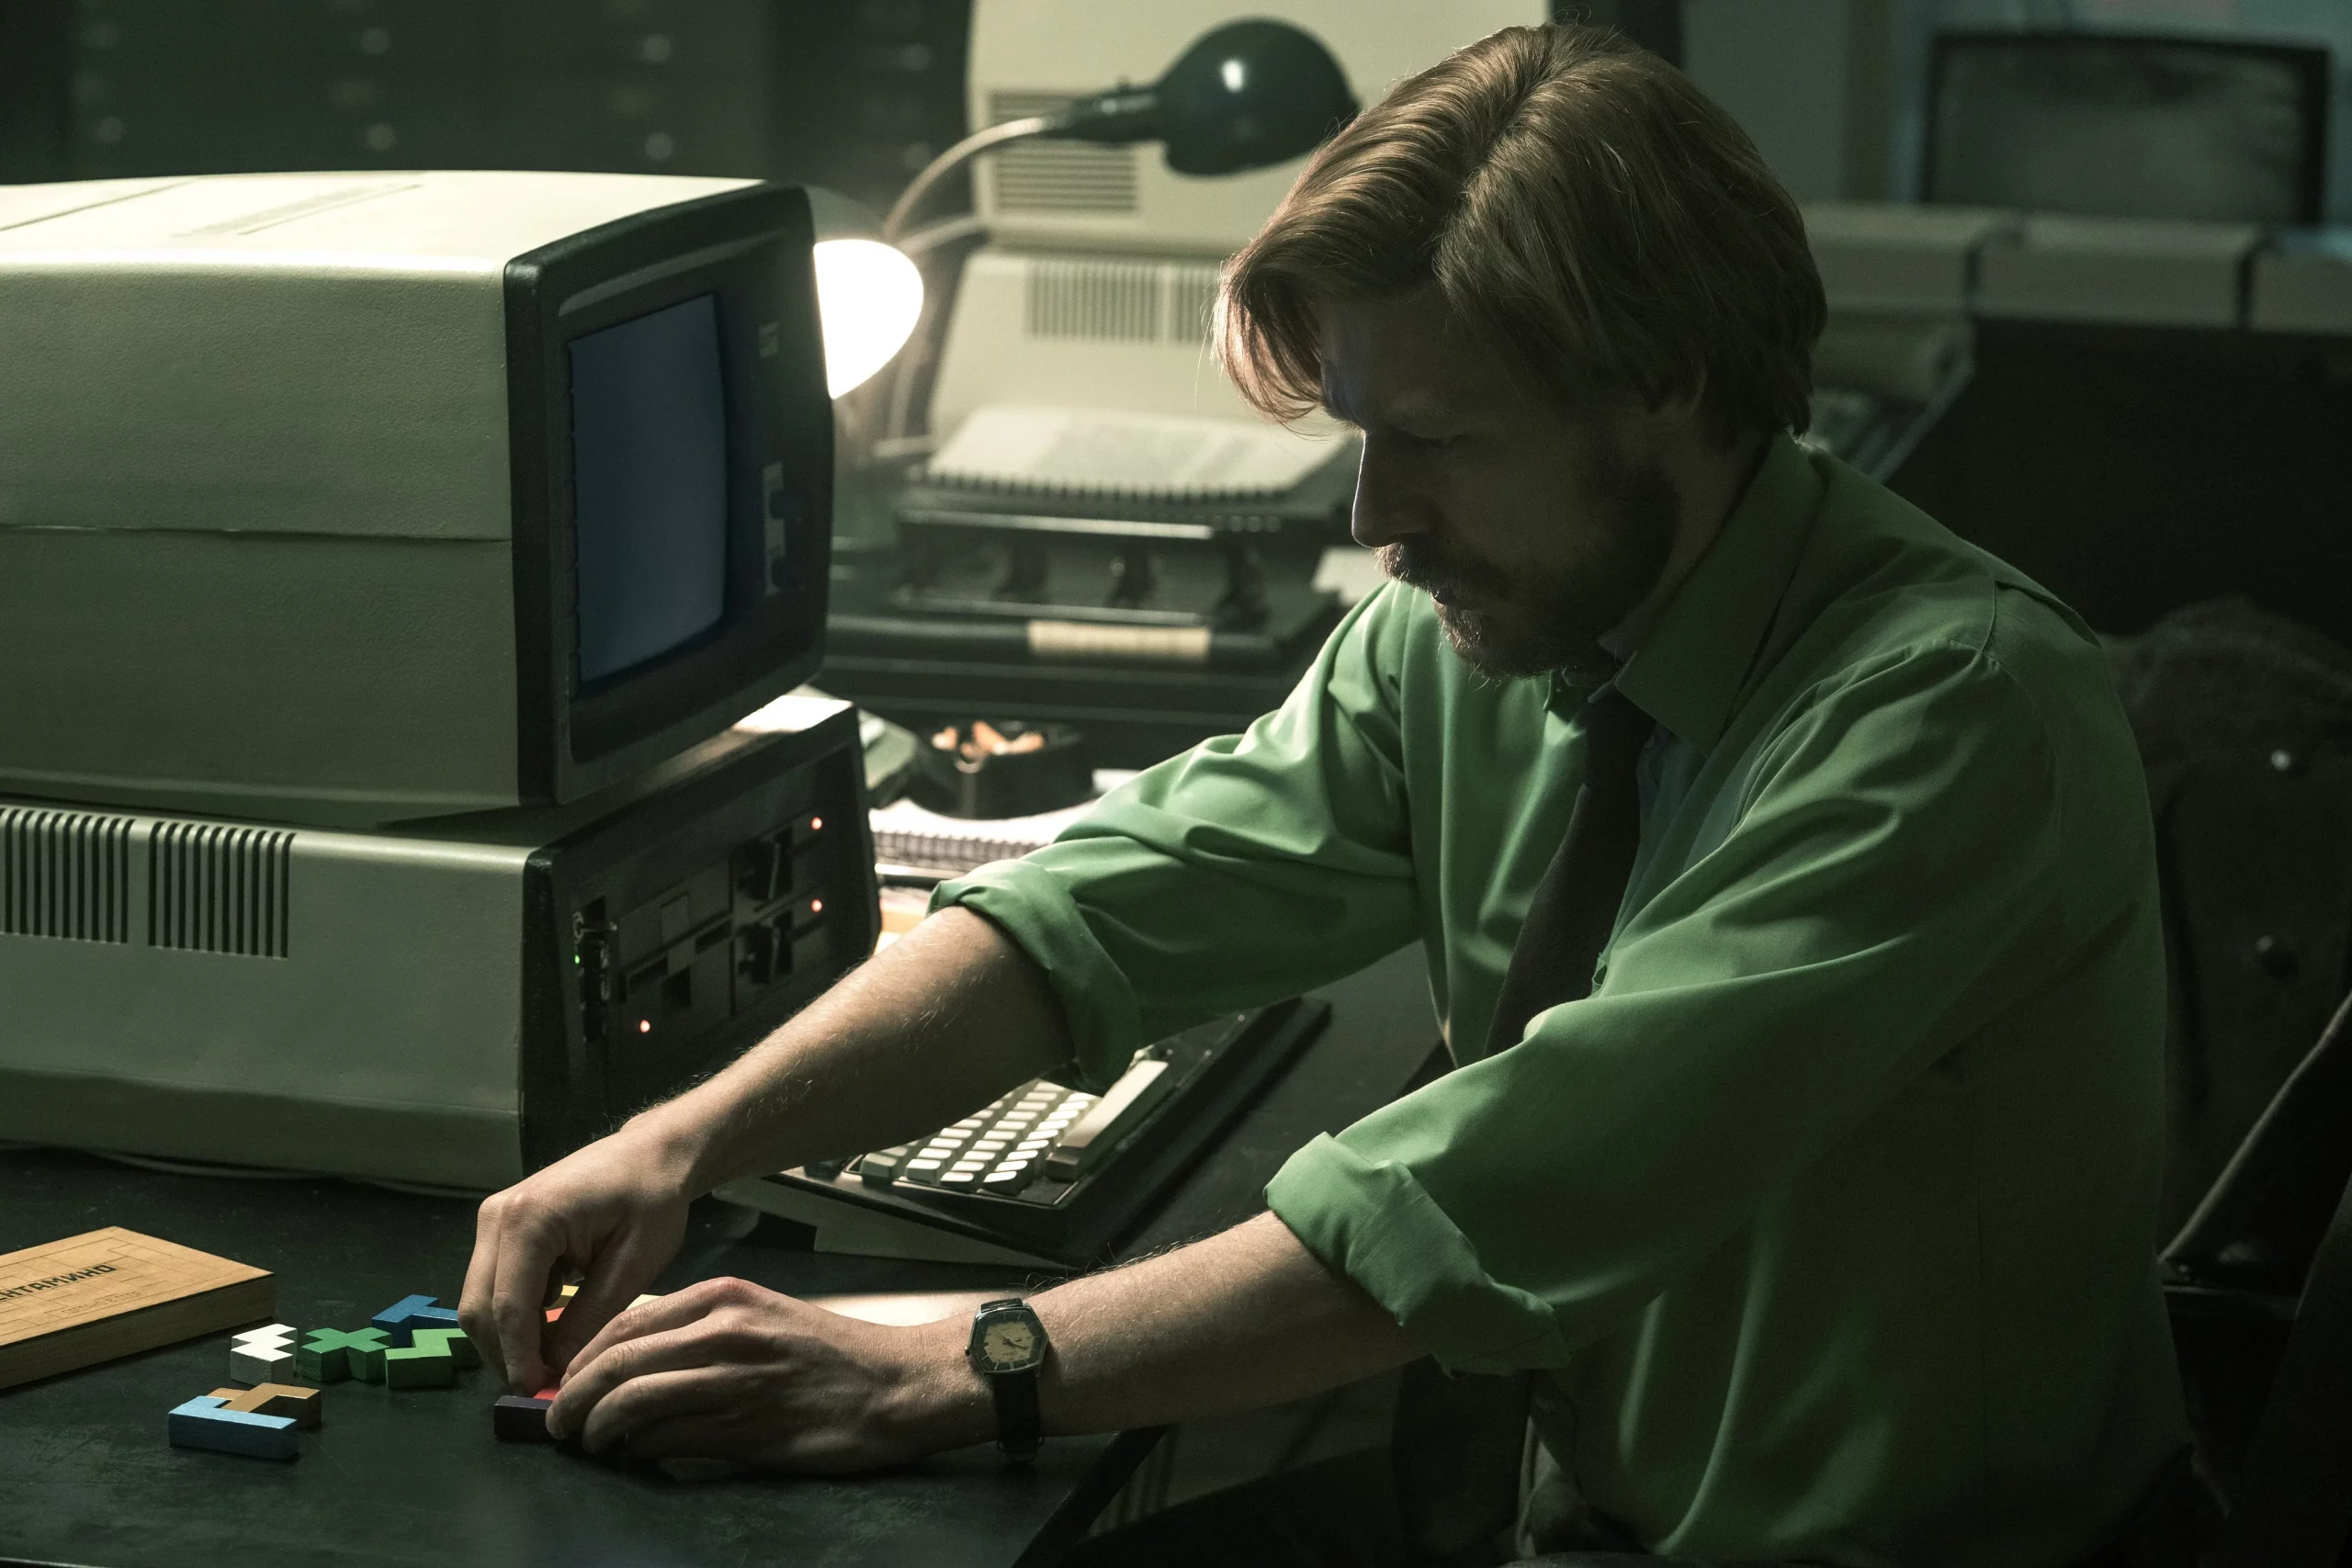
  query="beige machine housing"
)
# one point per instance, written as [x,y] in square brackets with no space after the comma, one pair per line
[456,1006]
[256,508]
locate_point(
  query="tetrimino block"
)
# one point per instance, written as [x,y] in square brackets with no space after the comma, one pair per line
[324,1355]
[305,1406]
[452,1342]
[403,1317]
[419,1366]
[207,1423]
[263,1355]
[520,1418]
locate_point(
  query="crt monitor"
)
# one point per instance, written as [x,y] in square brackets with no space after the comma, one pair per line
[2117,124]
[353,499]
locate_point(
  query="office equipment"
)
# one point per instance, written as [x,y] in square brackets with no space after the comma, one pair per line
[2304,284]
[912,841]
[110,1292]
[344,499]
[454,1001]
[2116,125]
[1045,1173]
[2151,272]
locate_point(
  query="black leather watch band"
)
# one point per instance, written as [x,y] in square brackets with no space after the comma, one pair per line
[1017,1434]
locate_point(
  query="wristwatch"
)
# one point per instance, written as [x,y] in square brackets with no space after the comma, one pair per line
[1008,1347]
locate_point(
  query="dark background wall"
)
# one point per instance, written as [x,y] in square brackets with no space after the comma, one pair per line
[851,94]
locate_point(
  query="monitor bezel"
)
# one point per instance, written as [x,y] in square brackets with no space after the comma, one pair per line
[2309,64]
[753,248]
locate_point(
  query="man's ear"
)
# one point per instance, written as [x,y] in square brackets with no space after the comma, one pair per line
[1683,404]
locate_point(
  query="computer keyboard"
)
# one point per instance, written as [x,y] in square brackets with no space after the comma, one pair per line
[1048,1173]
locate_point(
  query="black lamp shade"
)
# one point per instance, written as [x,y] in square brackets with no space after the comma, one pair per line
[1245,95]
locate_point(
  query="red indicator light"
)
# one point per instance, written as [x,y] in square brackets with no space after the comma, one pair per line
[816,824]
[816,906]
[645,1026]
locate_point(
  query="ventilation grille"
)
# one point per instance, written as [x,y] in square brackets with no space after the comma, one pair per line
[216,889]
[1118,302]
[64,874]
[1058,176]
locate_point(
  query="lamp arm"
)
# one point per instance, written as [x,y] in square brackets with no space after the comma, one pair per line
[939,168]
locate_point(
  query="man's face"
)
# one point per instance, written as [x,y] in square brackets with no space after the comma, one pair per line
[1537,532]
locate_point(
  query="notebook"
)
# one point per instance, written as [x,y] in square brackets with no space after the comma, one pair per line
[1128,456]
[910,837]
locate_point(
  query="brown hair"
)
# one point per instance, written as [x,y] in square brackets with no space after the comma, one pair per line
[1588,213]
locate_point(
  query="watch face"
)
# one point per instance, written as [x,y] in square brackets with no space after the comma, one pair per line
[1009,1346]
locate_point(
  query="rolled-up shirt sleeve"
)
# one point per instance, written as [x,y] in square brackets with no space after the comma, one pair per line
[1889,885]
[1248,870]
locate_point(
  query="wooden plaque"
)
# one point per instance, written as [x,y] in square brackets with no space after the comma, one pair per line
[108,1292]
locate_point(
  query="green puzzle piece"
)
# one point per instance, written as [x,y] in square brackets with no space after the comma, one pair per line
[331,1355]
[454,1344]
[368,1359]
[420,1366]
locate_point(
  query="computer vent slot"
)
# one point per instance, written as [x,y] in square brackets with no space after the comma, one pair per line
[1118,302]
[1058,176]
[64,874]
[216,889]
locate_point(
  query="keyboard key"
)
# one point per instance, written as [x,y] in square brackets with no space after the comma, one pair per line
[1008,1182]
[882,1168]
[959,1177]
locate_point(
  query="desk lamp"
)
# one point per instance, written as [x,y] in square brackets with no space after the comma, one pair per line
[868,294]
[1245,95]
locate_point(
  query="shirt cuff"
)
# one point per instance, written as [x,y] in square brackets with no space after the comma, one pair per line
[1374,1222]
[1030,905]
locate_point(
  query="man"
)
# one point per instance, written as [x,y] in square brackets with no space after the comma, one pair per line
[1826,1218]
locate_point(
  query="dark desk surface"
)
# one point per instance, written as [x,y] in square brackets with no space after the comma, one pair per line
[415,1477]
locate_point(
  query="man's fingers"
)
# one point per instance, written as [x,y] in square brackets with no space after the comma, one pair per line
[482,1276]
[637,1382]
[527,1256]
[614,1281]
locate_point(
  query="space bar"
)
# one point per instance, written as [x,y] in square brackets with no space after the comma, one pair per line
[1139,1089]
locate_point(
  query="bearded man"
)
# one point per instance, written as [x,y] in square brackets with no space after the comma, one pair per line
[1785,871]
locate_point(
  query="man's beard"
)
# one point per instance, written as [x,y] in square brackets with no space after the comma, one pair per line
[1533,621]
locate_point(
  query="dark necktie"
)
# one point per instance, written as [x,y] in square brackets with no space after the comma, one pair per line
[1457,1441]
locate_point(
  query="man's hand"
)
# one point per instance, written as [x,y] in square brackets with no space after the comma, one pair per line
[725,1370]
[613,1212]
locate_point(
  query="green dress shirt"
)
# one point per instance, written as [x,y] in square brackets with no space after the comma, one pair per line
[1828,1218]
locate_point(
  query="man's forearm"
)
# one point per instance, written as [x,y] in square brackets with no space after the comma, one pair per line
[943,1020]
[1243,1319]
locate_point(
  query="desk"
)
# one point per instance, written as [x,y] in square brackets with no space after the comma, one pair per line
[415,1478]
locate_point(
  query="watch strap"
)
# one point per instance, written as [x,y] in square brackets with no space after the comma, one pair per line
[1017,1423]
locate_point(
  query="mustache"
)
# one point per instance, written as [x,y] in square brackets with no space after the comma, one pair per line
[1417,563]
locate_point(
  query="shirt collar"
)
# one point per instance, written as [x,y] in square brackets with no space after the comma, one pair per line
[1688,671]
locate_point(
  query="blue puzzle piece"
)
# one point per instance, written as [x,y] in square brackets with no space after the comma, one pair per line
[205,1424]
[401,1320]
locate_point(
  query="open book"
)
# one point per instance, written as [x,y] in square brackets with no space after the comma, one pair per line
[1081,452]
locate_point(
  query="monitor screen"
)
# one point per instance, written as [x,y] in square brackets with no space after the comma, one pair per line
[649,472]
[2127,127]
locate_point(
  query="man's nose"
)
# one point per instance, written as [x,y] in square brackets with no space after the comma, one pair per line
[1388,507]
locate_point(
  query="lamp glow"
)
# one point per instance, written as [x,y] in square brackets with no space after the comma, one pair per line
[868,296]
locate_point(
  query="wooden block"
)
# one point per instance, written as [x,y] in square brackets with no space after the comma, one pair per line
[420,1366]
[403,1317]
[305,1406]
[266,1360]
[367,1355]
[520,1419]
[453,1342]
[324,1355]
[109,1292]
[207,1423]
